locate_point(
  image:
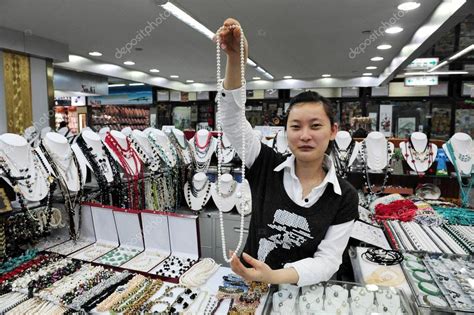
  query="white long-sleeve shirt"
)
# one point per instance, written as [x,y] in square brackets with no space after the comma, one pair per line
[328,257]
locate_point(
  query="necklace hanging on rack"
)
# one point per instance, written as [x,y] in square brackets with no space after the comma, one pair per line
[242,199]
[372,195]
[465,188]
[342,158]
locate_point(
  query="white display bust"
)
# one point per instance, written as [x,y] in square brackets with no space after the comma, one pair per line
[20,159]
[203,145]
[226,201]
[343,140]
[133,161]
[377,155]
[463,149]
[161,140]
[93,141]
[143,147]
[103,132]
[61,154]
[244,198]
[228,152]
[198,199]
[183,145]
[422,155]
[280,142]
[127,131]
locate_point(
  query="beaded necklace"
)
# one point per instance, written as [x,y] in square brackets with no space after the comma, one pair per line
[134,176]
[464,188]
[363,155]
[342,157]
[219,139]
[416,156]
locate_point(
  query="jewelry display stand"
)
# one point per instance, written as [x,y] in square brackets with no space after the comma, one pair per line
[345,152]
[198,192]
[59,234]
[203,146]
[86,234]
[378,151]
[246,196]
[185,247]
[280,143]
[463,149]
[105,232]
[134,164]
[130,238]
[165,150]
[181,145]
[143,147]
[227,201]
[23,163]
[156,242]
[418,152]
[228,152]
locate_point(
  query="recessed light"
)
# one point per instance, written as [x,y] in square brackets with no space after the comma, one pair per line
[154,70]
[326,75]
[174,76]
[408,6]
[95,53]
[190,81]
[384,47]
[393,30]
[367,73]
[371,67]
[287,77]
[376,58]
[129,63]
[256,78]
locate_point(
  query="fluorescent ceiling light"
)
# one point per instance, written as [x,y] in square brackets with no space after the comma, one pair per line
[287,77]
[376,58]
[462,52]
[251,63]
[371,67]
[95,53]
[408,6]
[256,78]
[188,19]
[129,63]
[326,75]
[116,85]
[136,84]
[367,73]
[260,69]
[438,66]
[393,30]
[154,70]
[436,73]
[174,76]
[268,75]
[384,47]
[190,81]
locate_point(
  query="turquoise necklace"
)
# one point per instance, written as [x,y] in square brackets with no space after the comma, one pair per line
[464,188]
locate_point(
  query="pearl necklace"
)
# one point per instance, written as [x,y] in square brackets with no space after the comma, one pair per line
[219,139]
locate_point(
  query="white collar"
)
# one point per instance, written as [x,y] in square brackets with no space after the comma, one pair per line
[331,176]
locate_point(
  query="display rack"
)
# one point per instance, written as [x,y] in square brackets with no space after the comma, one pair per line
[117,117]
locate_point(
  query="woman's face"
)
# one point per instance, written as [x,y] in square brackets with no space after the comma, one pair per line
[309,131]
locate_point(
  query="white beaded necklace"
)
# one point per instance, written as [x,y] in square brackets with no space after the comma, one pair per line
[219,139]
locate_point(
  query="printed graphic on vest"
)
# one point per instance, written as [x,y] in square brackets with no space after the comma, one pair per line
[290,230]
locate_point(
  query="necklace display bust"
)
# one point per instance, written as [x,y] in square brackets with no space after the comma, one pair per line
[463,149]
[378,151]
[96,147]
[143,147]
[345,152]
[182,146]
[24,163]
[280,143]
[161,142]
[228,197]
[121,150]
[228,152]
[418,152]
[197,192]
[103,132]
[203,146]
[58,148]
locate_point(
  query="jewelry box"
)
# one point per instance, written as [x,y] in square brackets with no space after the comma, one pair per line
[86,233]
[184,247]
[130,238]
[105,232]
[156,242]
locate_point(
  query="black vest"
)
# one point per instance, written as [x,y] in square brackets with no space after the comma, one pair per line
[281,231]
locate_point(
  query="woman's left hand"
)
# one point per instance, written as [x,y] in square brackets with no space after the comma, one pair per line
[259,270]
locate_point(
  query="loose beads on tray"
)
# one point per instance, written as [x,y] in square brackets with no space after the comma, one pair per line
[174,266]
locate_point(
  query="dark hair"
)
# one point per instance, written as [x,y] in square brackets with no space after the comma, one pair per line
[312,97]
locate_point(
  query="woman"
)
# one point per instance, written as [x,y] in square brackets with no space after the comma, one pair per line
[302,212]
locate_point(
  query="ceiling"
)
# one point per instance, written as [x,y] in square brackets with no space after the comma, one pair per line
[301,38]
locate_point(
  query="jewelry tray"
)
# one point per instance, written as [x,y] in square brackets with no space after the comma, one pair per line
[376,291]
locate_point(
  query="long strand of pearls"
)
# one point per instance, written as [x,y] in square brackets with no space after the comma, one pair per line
[199,273]
[219,141]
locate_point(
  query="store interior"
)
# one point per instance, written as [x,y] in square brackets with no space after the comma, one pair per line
[120,192]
